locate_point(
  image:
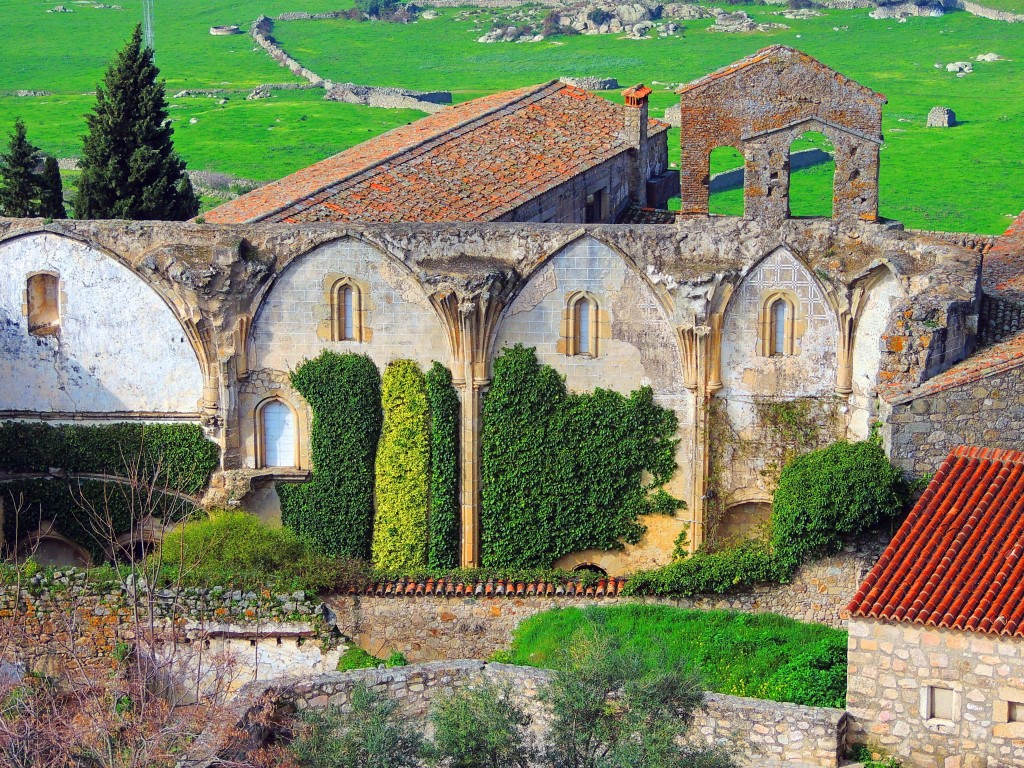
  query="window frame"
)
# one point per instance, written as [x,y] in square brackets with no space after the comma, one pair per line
[768,331]
[260,433]
[574,305]
[43,326]
[340,289]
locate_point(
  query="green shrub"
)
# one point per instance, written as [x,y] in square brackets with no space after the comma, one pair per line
[175,456]
[443,549]
[370,734]
[479,726]
[758,655]
[230,549]
[562,473]
[403,470]
[334,510]
[829,495]
[749,562]
[355,657]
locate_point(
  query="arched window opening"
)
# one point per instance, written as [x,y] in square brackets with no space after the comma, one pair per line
[725,182]
[590,568]
[778,328]
[582,333]
[279,440]
[43,302]
[812,171]
[346,311]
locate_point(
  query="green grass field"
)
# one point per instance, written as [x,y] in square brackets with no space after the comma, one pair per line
[762,656]
[969,178]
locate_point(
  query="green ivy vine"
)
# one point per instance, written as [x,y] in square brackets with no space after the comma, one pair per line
[443,547]
[403,470]
[566,472]
[334,510]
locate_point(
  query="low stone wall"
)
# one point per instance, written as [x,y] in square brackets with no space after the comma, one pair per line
[977,9]
[431,628]
[761,733]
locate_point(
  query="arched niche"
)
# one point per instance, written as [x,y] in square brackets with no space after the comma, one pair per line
[111,342]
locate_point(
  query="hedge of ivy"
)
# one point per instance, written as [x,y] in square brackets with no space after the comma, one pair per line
[565,472]
[824,497]
[175,456]
[88,512]
[443,547]
[334,510]
[403,470]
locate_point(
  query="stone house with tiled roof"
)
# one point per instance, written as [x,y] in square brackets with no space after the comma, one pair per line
[936,649]
[549,153]
[491,224]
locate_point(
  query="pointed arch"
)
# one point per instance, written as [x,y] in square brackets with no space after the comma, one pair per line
[277,434]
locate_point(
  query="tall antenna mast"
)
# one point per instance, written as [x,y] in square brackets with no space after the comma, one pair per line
[147,23]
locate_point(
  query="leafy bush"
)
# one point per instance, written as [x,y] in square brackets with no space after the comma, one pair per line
[829,495]
[355,657]
[443,549]
[334,510]
[703,572]
[479,726]
[403,469]
[563,473]
[176,456]
[758,655]
[370,735]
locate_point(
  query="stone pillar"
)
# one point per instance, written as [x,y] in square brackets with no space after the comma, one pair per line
[766,179]
[635,121]
[470,316]
[844,352]
[701,375]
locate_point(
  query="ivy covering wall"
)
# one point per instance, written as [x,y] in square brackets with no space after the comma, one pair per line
[334,510]
[403,470]
[565,472]
[443,547]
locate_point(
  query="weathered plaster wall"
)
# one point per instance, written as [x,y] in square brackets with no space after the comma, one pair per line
[120,348]
[890,667]
[639,350]
[764,733]
[867,353]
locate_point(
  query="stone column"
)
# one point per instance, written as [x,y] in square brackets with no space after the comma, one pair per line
[470,317]
[701,364]
[844,352]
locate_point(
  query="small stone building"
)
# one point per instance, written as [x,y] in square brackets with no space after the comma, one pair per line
[936,650]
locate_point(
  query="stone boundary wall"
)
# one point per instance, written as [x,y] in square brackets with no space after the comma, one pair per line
[762,733]
[433,628]
[985,12]
[369,95]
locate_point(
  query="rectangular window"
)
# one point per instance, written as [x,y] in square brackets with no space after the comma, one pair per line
[593,209]
[348,332]
[941,703]
[1015,712]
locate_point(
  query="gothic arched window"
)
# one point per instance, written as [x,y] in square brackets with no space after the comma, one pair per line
[583,319]
[277,434]
[346,311]
[777,324]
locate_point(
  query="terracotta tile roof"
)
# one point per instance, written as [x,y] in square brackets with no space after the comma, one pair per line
[988,362]
[1002,272]
[609,587]
[958,560]
[774,52]
[472,162]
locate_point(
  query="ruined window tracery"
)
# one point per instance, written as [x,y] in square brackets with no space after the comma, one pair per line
[277,439]
[583,323]
[346,311]
[42,294]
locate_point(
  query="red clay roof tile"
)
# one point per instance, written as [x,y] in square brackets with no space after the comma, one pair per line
[1002,271]
[957,560]
[472,162]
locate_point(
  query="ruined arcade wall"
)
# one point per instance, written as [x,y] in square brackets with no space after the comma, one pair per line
[119,349]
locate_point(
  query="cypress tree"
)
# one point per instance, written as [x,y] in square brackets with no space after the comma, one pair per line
[129,167]
[19,184]
[51,194]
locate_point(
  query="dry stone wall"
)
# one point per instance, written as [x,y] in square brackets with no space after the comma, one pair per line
[762,733]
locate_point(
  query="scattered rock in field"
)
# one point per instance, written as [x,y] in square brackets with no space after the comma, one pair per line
[802,13]
[941,117]
[739,21]
[988,57]
[592,83]
[428,15]
[193,120]
[259,92]
[964,67]
[33,93]
[225,29]
[59,9]
[902,11]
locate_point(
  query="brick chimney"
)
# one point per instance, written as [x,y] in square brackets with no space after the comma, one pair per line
[635,128]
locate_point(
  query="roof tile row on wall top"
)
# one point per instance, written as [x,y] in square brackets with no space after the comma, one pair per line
[610,587]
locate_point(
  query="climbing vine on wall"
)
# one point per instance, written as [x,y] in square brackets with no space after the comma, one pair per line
[443,549]
[403,470]
[334,510]
[565,472]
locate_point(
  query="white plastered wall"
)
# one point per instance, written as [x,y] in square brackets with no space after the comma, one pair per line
[641,350]
[120,349]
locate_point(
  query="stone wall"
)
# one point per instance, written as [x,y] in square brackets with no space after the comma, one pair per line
[892,666]
[432,628]
[921,429]
[977,9]
[762,733]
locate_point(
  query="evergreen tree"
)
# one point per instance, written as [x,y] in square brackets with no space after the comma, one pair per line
[129,167]
[51,193]
[19,184]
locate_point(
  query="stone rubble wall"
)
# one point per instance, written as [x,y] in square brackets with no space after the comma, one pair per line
[433,628]
[762,733]
[985,12]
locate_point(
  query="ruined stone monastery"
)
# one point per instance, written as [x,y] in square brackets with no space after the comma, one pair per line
[537,217]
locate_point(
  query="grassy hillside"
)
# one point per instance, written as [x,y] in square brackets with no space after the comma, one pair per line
[967,178]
